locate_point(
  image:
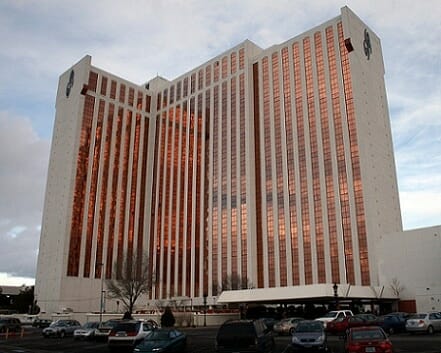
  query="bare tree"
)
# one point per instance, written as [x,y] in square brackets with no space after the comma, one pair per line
[234,282]
[130,281]
[396,287]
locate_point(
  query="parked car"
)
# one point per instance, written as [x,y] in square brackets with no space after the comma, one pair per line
[369,318]
[287,326]
[424,322]
[403,316]
[102,331]
[309,335]
[244,336]
[61,328]
[332,315]
[86,332]
[10,324]
[127,334]
[340,325]
[163,341]
[269,322]
[391,324]
[41,323]
[367,339]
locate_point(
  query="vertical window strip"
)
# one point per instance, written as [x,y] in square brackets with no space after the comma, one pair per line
[103,205]
[224,190]
[268,171]
[317,202]
[233,176]
[80,187]
[167,205]
[133,190]
[123,192]
[243,180]
[307,258]
[205,234]
[257,153]
[279,172]
[341,160]
[290,160]
[114,193]
[215,209]
[93,190]
[327,157]
[355,159]
[142,196]
[199,196]
[161,204]
[190,215]
[171,202]
[182,219]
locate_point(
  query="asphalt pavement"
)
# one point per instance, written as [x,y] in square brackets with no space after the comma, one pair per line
[200,340]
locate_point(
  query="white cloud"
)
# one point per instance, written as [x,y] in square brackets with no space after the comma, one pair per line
[24,161]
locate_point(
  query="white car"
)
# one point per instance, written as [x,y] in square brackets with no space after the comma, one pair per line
[334,314]
[86,332]
[129,333]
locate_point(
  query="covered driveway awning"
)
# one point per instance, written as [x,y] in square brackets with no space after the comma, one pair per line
[306,293]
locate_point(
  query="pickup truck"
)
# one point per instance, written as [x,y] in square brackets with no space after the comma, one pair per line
[332,315]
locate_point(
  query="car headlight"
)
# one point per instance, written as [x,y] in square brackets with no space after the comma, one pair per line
[320,338]
[157,349]
[295,339]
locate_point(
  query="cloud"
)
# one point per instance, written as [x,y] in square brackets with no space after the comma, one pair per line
[24,161]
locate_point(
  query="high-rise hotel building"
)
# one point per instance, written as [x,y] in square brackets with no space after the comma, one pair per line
[272,167]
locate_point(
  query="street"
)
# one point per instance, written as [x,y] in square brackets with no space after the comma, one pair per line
[199,340]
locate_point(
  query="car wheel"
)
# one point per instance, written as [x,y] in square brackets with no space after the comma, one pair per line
[62,334]
[430,330]
[391,331]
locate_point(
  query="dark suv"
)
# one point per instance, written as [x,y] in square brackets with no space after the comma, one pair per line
[10,324]
[244,336]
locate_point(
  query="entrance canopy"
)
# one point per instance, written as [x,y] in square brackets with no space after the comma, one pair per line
[310,293]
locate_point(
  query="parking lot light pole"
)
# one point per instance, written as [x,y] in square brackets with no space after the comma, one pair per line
[335,288]
[101,292]
[205,309]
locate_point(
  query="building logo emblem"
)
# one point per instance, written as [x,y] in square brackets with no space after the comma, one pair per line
[367,44]
[70,83]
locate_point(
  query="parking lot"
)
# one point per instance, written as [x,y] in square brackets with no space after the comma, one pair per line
[200,340]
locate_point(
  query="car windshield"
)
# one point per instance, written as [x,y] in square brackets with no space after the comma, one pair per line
[58,324]
[237,329]
[417,316]
[309,327]
[89,325]
[110,323]
[127,326]
[158,336]
[331,314]
[361,335]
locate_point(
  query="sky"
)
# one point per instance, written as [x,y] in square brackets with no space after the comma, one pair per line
[137,40]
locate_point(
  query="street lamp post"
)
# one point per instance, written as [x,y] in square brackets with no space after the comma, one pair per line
[101,292]
[335,288]
[205,309]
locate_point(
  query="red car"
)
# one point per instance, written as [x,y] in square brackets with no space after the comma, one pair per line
[340,325]
[367,339]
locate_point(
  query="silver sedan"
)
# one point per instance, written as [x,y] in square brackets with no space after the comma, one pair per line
[424,322]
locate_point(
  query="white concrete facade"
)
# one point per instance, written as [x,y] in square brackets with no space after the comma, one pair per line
[410,263]
[274,166]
